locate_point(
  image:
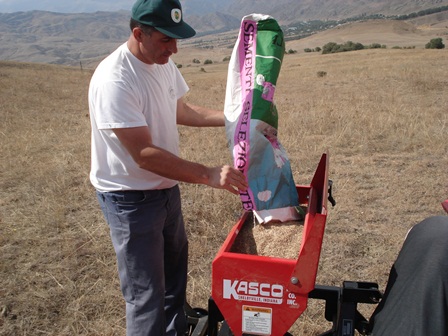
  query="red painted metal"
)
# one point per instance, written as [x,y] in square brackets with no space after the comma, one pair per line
[262,295]
[445,205]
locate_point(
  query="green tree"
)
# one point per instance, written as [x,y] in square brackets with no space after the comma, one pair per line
[329,48]
[375,46]
[435,43]
[332,47]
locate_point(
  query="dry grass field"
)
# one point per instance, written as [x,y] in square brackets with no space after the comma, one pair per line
[381,114]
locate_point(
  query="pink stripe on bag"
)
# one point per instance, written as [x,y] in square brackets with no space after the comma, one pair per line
[246,55]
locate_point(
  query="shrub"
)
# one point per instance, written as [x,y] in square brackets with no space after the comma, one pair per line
[196,61]
[208,61]
[226,59]
[321,73]
[332,47]
[375,46]
[307,50]
[435,43]
[329,48]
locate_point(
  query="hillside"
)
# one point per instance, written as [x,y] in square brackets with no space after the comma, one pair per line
[330,10]
[289,11]
[390,33]
[58,38]
[381,114]
[71,39]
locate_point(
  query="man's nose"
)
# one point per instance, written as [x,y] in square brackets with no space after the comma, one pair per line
[173,46]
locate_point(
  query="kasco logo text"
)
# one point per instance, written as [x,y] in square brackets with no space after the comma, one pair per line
[253,291]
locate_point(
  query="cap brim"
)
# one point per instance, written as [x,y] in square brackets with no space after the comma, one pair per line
[181,31]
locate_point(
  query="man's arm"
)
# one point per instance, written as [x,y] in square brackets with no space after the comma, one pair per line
[193,115]
[139,144]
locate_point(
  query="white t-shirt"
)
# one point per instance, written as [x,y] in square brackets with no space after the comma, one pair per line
[125,92]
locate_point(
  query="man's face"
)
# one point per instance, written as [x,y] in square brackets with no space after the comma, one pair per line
[156,47]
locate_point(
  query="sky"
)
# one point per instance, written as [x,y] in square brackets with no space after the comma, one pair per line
[65,6]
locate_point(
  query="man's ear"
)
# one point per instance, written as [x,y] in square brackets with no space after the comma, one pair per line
[137,33]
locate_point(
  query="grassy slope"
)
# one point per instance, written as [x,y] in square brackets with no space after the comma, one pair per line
[380,113]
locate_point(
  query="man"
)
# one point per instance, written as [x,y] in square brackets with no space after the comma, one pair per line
[135,102]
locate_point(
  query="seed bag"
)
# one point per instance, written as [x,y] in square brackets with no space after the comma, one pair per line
[252,120]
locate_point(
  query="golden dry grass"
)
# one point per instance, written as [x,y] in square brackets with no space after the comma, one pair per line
[382,114]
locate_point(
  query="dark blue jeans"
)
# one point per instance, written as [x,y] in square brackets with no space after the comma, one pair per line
[148,235]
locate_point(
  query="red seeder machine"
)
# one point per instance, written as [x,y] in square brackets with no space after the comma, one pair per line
[262,295]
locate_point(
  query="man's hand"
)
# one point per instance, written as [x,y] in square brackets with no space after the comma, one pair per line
[228,178]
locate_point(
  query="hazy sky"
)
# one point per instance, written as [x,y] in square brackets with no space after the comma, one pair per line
[64,6]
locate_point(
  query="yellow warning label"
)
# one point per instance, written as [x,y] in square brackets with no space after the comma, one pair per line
[257,309]
[257,320]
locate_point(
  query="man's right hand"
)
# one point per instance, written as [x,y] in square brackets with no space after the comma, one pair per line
[227,177]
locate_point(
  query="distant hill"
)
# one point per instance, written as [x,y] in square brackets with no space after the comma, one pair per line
[289,11]
[58,38]
[47,37]
[390,33]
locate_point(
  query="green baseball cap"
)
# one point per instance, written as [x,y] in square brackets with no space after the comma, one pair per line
[164,15]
